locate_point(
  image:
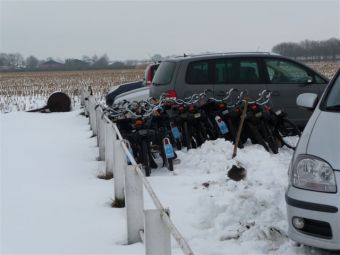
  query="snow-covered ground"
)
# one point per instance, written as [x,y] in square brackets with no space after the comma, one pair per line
[52,202]
[25,103]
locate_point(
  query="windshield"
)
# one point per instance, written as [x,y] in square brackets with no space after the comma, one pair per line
[164,73]
[332,101]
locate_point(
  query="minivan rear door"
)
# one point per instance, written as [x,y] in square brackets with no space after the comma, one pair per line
[243,73]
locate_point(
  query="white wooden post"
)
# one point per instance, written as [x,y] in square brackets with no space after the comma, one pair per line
[120,163]
[99,112]
[157,235]
[134,204]
[109,138]
[92,104]
[82,96]
[102,139]
[86,103]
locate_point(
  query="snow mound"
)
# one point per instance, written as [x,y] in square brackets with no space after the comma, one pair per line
[220,216]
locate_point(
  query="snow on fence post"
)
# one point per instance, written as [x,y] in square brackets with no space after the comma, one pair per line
[134,204]
[92,104]
[120,163]
[157,235]
[109,138]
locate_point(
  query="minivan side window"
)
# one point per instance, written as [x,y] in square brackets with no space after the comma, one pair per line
[319,80]
[198,73]
[164,73]
[282,71]
[236,71]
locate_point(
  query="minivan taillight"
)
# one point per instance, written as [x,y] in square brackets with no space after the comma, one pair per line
[149,79]
[171,94]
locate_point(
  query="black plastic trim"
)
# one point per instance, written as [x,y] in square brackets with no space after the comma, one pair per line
[322,105]
[311,206]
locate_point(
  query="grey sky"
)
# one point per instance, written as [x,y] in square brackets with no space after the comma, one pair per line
[136,29]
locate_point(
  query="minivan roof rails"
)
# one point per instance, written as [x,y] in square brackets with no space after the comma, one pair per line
[227,53]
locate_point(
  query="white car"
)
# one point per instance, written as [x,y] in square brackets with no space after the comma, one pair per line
[313,197]
[133,95]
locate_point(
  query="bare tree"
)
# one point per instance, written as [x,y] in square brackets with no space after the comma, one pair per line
[86,59]
[102,62]
[4,60]
[32,62]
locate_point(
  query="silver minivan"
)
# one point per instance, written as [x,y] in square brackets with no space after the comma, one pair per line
[252,71]
[313,197]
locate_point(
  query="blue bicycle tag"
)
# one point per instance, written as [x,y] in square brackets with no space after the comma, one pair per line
[222,125]
[169,151]
[176,133]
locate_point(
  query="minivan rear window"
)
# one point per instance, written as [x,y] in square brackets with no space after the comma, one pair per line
[236,70]
[198,73]
[164,73]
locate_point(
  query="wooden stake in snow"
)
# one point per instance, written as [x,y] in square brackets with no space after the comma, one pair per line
[237,172]
[239,131]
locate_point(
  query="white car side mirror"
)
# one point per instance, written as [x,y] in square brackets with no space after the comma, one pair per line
[307,100]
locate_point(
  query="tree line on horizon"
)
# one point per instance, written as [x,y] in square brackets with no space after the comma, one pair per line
[16,62]
[310,50]
[306,50]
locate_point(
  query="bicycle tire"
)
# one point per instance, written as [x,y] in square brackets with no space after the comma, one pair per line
[145,158]
[271,139]
[286,128]
[255,135]
[187,137]
[170,164]
[232,130]
[203,131]
[211,129]
[178,145]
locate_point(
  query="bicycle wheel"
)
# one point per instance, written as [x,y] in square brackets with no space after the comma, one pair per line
[178,144]
[203,131]
[211,130]
[232,130]
[252,132]
[270,138]
[145,158]
[187,136]
[286,132]
[266,131]
[170,164]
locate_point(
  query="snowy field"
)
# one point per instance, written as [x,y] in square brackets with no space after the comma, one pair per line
[26,103]
[52,202]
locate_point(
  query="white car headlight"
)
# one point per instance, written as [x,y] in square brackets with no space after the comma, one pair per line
[309,172]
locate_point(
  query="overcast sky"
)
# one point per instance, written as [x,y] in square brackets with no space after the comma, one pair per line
[139,29]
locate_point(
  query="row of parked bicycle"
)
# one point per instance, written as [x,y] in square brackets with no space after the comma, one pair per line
[154,127]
